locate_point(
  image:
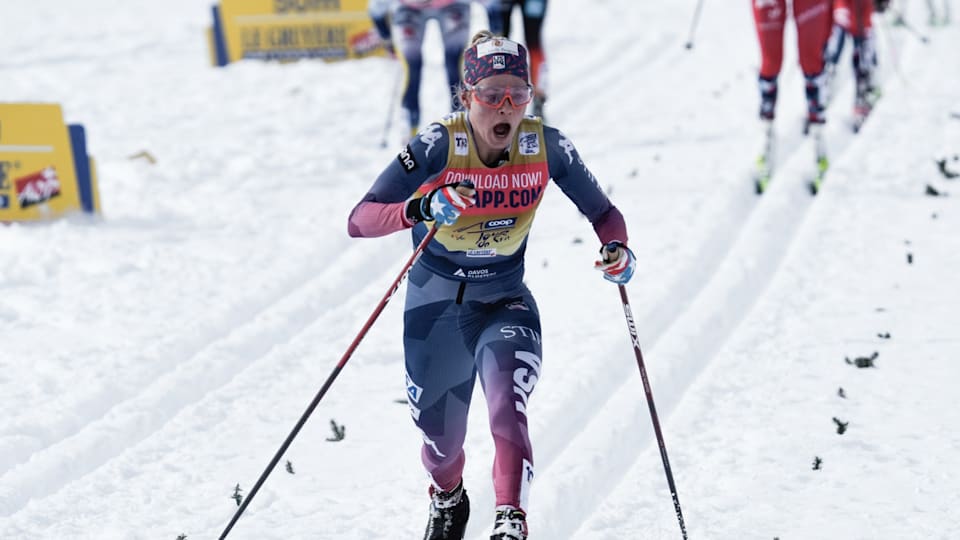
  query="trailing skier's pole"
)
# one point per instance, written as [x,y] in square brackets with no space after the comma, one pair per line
[326,385]
[891,46]
[394,97]
[693,24]
[910,28]
[628,313]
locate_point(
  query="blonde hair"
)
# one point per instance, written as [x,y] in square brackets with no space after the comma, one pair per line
[480,37]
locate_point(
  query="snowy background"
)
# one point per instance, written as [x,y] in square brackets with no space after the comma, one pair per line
[154,358]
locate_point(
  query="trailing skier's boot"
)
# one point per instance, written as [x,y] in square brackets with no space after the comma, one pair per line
[864,65]
[449,511]
[510,524]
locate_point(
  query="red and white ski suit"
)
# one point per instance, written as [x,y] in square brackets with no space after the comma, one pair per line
[813,19]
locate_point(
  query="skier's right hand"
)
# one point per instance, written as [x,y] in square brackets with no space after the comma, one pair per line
[444,204]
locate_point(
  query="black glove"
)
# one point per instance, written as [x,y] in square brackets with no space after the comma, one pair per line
[880,5]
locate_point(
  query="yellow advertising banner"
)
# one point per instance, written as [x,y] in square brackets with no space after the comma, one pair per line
[292,29]
[37,168]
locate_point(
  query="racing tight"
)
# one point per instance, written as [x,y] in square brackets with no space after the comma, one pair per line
[813,19]
[853,17]
[454,331]
[408,27]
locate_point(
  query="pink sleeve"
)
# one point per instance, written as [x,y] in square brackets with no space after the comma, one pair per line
[611,227]
[372,219]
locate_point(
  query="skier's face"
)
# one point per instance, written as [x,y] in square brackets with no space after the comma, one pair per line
[496,106]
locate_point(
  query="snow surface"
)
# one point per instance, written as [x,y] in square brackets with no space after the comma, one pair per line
[156,357]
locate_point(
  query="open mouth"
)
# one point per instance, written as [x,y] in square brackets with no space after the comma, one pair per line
[501,130]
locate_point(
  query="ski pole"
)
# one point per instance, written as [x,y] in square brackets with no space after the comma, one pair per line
[894,55]
[910,28]
[333,375]
[693,24]
[393,103]
[628,313]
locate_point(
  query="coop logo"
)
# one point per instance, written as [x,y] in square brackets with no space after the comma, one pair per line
[287,6]
[500,223]
[38,187]
[405,157]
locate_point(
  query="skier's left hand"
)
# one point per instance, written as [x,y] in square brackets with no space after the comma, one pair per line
[880,5]
[617,263]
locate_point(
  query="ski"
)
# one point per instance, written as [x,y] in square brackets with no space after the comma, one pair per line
[863,107]
[822,165]
[762,174]
[763,167]
[859,117]
[820,155]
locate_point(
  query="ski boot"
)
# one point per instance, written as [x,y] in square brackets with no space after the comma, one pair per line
[866,97]
[509,524]
[768,105]
[815,89]
[449,511]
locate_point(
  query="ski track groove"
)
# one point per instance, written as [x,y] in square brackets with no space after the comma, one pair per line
[213,366]
[99,404]
[679,355]
[640,56]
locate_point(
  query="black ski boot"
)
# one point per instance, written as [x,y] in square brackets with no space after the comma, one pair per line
[449,511]
[510,524]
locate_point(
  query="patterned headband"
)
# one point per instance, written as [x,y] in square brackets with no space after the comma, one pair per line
[495,56]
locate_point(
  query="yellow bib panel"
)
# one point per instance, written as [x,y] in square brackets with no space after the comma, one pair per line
[507,196]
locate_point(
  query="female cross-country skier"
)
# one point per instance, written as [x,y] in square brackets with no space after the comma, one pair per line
[478,176]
